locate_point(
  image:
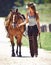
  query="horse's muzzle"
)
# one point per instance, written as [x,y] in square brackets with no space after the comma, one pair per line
[14,25]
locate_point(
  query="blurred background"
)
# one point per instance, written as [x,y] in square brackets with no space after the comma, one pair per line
[44,9]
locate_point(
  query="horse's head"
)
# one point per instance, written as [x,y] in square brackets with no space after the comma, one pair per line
[17,18]
[14,20]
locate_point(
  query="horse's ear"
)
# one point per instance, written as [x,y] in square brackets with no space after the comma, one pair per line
[16,10]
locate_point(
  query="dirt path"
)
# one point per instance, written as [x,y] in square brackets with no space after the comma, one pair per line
[44,57]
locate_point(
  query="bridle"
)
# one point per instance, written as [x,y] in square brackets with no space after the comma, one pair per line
[13,21]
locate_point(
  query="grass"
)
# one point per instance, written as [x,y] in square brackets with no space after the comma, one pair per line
[45,39]
[25,41]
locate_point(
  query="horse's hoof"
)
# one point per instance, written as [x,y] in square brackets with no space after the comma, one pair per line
[13,55]
[36,55]
[19,55]
[16,53]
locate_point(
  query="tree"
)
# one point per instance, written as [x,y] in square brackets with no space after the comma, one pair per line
[21,2]
[5,6]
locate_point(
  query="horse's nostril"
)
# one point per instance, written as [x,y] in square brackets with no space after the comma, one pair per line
[14,25]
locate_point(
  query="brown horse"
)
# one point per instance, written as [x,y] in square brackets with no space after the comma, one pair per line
[14,31]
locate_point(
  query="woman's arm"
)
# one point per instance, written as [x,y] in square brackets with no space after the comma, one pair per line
[38,25]
[38,21]
[26,21]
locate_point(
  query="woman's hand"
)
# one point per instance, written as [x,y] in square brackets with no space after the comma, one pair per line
[18,25]
[39,31]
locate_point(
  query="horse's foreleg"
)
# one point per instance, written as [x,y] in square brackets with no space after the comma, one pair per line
[20,51]
[19,37]
[13,53]
[17,50]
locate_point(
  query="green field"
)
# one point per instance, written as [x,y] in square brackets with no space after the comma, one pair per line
[45,39]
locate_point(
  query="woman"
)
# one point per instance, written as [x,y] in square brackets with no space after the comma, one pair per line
[32,18]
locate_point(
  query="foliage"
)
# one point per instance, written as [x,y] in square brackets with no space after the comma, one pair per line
[19,2]
[5,6]
[44,12]
[37,1]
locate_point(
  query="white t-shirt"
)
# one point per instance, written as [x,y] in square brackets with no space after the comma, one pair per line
[32,20]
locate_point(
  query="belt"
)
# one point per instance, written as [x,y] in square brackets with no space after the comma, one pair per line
[32,26]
